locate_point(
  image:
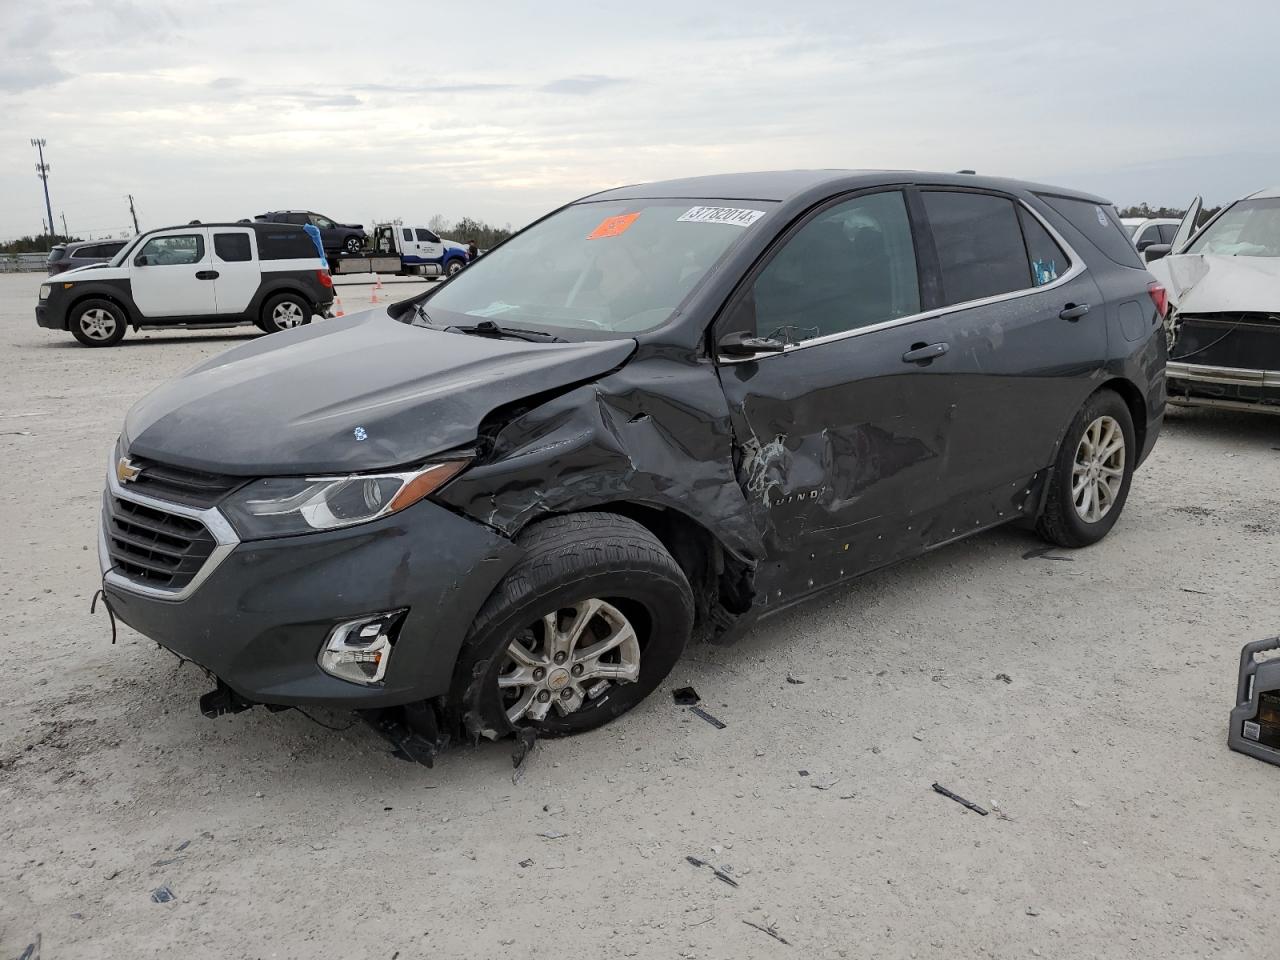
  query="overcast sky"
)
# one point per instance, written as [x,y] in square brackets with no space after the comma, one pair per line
[500,110]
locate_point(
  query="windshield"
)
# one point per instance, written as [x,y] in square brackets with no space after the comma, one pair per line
[120,257]
[1250,228]
[611,268]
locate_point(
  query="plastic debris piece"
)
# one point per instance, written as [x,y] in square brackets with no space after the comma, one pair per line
[685,697]
[770,930]
[1005,677]
[552,835]
[722,873]
[527,863]
[796,680]
[959,799]
[162,894]
[698,711]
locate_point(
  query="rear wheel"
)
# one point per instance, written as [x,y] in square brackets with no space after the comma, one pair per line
[352,244]
[97,323]
[1091,479]
[283,312]
[580,631]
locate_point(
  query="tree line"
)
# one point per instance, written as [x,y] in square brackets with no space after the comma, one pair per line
[40,244]
[467,230]
[1145,211]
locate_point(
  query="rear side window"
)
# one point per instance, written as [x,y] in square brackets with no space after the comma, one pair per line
[285,245]
[298,218]
[1101,226]
[408,234]
[232,247]
[89,251]
[1167,232]
[1048,261]
[979,244]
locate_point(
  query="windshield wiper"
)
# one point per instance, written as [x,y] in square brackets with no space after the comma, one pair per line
[487,328]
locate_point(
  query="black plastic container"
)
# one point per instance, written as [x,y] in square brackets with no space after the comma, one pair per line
[1255,721]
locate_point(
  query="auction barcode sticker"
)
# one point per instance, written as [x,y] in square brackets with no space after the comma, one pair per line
[734,215]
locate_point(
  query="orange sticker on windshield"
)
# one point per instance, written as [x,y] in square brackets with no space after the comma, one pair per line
[612,226]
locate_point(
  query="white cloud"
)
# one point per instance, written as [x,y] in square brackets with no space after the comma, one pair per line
[503,109]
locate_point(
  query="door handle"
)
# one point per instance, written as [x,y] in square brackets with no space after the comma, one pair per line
[923,353]
[1073,311]
[206,274]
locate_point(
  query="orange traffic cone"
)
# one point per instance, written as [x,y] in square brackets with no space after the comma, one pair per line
[377,285]
[337,306]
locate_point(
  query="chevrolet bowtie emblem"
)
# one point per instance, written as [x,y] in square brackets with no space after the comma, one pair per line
[126,471]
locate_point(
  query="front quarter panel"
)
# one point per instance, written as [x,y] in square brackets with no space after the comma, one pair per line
[654,432]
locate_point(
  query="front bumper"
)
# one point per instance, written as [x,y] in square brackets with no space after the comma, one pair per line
[49,318]
[259,613]
[1233,388]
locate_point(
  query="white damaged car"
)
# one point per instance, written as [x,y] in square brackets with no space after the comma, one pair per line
[1223,283]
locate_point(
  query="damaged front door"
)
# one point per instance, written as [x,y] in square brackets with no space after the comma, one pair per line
[838,437]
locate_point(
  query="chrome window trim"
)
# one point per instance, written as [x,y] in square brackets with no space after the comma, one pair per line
[1077,268]
[223,533]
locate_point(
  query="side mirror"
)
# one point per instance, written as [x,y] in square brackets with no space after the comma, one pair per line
[140,260]
[741,344]
[1155,251]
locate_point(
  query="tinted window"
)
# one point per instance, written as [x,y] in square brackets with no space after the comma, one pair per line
[286,245]
[849,267]
[424,235]
[111,249]
[1167,232]
[298,218]
[232,247]
[408,234]
[1149,234]
[89,250]
[1101,226]
[1048,261]
[172,251]
[979,245]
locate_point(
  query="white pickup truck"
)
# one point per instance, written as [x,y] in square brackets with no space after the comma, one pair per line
[406,250]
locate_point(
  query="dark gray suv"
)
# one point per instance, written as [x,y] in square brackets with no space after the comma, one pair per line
[336,237]
[663,411]
[82,253]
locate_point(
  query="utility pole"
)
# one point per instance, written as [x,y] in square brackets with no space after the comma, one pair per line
[42,171]
[66,235]
[133,213]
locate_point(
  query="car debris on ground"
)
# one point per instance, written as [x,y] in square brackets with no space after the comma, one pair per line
[959,799]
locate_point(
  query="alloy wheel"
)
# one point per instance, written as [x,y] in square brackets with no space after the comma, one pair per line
[569,658]
[1097,472]
[287,314]
[98,324]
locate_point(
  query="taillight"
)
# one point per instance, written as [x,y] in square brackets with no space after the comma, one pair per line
[327,281]
[1160,297]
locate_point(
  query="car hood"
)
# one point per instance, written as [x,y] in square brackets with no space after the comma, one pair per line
[100,271]
[363,392]
[1212,283]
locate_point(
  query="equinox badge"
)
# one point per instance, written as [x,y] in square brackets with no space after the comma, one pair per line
[126,472]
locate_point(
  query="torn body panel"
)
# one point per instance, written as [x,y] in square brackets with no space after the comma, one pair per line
[654,434]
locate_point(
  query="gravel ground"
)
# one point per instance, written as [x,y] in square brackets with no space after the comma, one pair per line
[1128,829]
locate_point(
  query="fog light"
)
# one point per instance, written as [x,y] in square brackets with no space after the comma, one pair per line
[359,650]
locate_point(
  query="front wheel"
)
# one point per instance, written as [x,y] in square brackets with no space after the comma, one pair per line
[582,629]
[1090,481]
[453,267]
[283,312]
[97,323]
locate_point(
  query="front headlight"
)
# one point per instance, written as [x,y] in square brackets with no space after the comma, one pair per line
[45,290]
[287,506]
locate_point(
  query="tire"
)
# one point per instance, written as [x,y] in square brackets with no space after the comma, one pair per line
[572,563]
[453,267]
[1069,519]
[284,311]
[97,323]
[353,244]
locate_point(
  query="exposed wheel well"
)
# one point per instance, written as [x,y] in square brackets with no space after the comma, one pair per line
[722,583]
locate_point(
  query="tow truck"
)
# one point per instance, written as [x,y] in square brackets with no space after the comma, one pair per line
[405,251]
